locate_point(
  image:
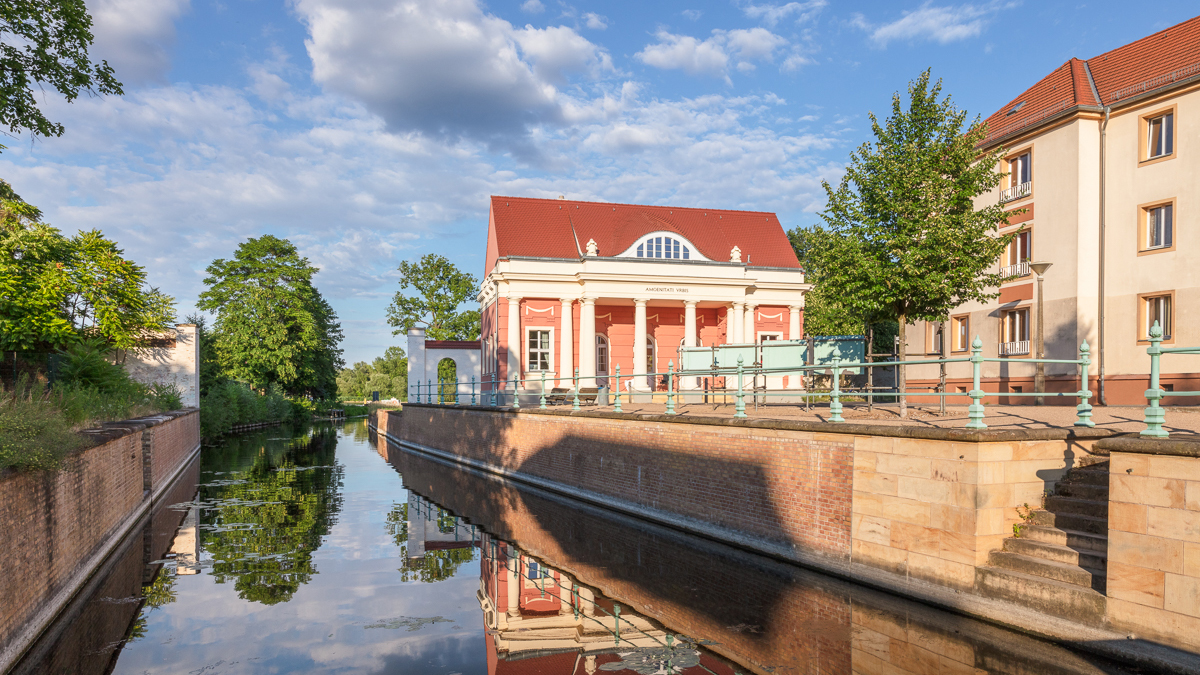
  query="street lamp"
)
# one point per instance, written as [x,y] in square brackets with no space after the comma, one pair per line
[1039,378]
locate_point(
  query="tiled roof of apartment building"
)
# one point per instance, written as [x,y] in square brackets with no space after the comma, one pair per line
[1155,61]
[523,226]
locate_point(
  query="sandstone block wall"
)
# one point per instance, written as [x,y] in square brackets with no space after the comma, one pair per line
[52,522]
[1154,546]
[934,509]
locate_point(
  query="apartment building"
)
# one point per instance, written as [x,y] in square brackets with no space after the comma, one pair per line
[1103,164]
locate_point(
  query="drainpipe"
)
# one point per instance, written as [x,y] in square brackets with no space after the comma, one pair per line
[1100,397]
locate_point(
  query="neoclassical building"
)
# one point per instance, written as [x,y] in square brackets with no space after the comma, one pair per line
[590,285]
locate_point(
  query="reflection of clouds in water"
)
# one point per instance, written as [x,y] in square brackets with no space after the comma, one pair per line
[411,623]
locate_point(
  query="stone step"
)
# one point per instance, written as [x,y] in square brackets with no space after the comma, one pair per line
[1088,558]
[1068,573]
[1090,476]
[1084,507]
[1072,521]
[1082,491]
[1047,595]
[1074,539]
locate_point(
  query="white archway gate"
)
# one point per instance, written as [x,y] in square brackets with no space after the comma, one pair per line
[424,356]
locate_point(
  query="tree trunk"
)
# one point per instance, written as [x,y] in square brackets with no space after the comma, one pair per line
[902,356]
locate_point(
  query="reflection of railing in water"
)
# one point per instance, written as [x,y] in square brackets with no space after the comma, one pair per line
[654,650]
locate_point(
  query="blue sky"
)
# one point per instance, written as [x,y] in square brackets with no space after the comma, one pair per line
[372,131]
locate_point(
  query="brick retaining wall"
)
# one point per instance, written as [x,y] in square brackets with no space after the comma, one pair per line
[53,523]
[792,489]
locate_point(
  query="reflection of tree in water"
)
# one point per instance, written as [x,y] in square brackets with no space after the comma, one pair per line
[270,513]
[436,565]
[160,593]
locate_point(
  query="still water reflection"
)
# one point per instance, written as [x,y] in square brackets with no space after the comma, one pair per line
[324,549]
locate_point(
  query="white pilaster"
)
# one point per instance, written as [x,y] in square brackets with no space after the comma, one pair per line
[514,585]
[515,341]
[639,344]
[566,344]
[587,341]
[416,363]
[689,340]
[733,323]
[794,334]
[750,336]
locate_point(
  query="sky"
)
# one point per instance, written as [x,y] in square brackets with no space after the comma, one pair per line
[373,131]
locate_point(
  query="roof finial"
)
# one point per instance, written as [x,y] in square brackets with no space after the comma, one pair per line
[592,248]
[735,255]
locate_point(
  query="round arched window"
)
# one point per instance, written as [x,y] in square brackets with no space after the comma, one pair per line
[663,247]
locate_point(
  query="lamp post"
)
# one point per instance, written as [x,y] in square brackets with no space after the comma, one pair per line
[1039,378]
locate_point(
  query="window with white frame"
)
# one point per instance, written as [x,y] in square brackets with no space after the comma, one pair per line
[1014,332]
[1157,309]
[933,337]
[601,355]
[538,356]
[1017,255]
[1160,136]
[664,247]
[1159,226]
[1020,170]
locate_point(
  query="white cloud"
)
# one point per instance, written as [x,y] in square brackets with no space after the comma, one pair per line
[533,7]
[136,36]
[447,69]
[595,21]
[691,14]
[929,22]
[773,14]
[712,56]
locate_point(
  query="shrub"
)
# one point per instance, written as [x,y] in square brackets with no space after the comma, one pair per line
[34,432]
[231,404]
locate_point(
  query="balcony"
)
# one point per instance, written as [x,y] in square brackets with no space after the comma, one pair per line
[1018,348]
[1013,193]
[1016,271]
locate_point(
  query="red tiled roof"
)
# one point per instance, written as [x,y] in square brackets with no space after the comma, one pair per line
[452,344]
[1118,74]
[520,226]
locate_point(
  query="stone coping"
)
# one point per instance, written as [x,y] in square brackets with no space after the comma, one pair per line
[1184,445]
[847,428]
[111,431]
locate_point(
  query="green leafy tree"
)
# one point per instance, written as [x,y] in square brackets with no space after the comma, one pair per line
[387,374]
[440,289]
[273,326]
[211,374]
[56,291]
[46,43]
[902,237]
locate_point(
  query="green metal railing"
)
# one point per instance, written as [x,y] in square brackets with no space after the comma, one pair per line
[739,373]
[1155,414]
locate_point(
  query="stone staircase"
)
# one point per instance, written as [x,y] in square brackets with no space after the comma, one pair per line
[1058,563]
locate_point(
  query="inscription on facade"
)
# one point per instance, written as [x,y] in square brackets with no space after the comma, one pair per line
[665,289]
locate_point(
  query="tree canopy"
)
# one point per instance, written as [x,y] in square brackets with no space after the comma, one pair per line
[45,42]
[902,237]
[440,289]
[56,291]
[273,326]
[387,374]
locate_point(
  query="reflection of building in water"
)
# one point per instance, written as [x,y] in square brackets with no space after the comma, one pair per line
[185,548]
[540,620]
[431,528]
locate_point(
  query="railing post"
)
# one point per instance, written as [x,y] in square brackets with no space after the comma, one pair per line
[1083,411]
[975,410]
[493,391]
[575,405]
[617,404]
[441,392]
[516,393]
[542,400]
[1155,415]
[835,393]
[472,390]
[739,409]
[671,387]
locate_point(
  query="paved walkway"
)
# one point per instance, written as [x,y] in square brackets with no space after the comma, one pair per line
[1119,418]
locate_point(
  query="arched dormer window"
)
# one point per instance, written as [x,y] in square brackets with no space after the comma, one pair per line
[663,245]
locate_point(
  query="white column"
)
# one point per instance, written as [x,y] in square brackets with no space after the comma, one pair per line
[689,340]
[587,341]
[566,344]
[639,344]
[564,593]
[515,343]
[794,334]
[514,585]
[749,324]
[733,323]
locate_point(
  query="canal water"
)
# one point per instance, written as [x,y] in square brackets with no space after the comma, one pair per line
[324,549]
